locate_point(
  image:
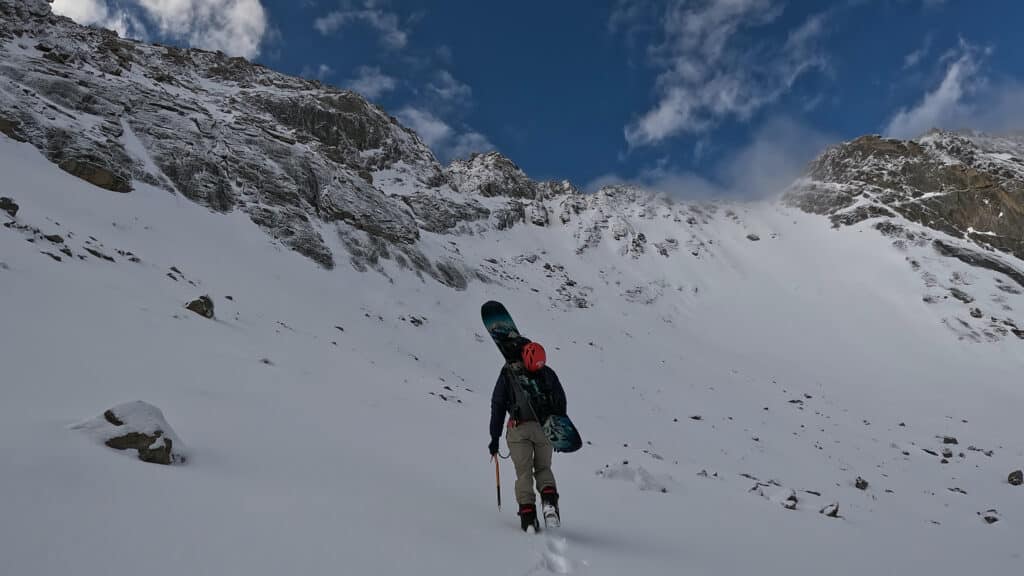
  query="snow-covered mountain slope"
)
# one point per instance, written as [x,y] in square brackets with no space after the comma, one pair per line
[724,362]
[957,195]
[335,420]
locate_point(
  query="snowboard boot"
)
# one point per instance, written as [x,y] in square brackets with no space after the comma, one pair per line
[549,507]
[528,517]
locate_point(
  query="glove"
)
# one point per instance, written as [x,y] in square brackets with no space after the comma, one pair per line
[493,446]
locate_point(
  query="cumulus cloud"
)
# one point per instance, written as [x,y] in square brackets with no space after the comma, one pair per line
[320,72]
[776,155]
[236,27]
[446,142]
[99,13]
[370,14]
[710,70]
[431,129]
[965,98]
[371,82]
[449,90]
[467,143]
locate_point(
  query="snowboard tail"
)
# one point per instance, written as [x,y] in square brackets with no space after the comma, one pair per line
[562,433]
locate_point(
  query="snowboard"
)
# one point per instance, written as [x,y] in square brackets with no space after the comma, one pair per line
[559,429]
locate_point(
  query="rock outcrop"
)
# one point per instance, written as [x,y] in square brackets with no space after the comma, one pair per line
[9,206]
[962,184]
[202,306]
[293,154]
[136,426]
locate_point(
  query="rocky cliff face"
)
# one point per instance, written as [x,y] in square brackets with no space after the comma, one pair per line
[309,163]
[965,185]
[295,155]
[332,176]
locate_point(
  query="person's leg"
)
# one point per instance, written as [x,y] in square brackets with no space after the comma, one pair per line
[542,453]
[522,450]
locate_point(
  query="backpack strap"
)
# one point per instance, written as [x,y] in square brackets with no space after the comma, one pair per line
[520,398]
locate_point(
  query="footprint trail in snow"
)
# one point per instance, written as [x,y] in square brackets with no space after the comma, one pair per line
[553,558]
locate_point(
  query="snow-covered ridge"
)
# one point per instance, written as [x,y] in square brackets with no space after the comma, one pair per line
[335,178]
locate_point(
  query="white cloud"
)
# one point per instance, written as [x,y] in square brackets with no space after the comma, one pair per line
[450,90]
[82,11]
[914,58]
[777,154]
[966,99]
[468,143]
[371,82]
[236,27]
[709,70]
[431,129]
[385,23]
[98,13]
[945,105]
[321,72]
[446,142]
[999,110]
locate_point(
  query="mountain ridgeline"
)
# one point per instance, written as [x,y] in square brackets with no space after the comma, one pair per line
[334,177]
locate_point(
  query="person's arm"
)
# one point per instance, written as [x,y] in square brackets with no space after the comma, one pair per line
[499,405]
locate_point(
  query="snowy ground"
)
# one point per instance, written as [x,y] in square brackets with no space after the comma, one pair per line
[336,420]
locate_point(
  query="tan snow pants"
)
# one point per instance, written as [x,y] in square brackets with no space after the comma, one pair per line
[531,453]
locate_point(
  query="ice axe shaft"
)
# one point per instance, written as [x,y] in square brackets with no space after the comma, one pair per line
[497,479]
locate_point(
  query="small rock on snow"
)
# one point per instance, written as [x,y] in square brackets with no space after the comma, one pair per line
[202,306]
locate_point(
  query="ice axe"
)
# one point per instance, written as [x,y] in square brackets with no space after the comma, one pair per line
[497,479]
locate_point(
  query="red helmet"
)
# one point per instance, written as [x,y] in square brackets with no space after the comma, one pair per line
[534,357]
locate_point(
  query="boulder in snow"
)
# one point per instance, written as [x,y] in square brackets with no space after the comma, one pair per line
[861,483]
[961,295]
[832,510]
[990,516]
[753,237]
[137,426]
[202,306]
[1016,478]
[8,205]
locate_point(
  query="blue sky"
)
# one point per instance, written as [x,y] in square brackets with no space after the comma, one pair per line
[713,97]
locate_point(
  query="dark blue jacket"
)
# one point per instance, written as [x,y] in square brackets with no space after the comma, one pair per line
[505,400]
